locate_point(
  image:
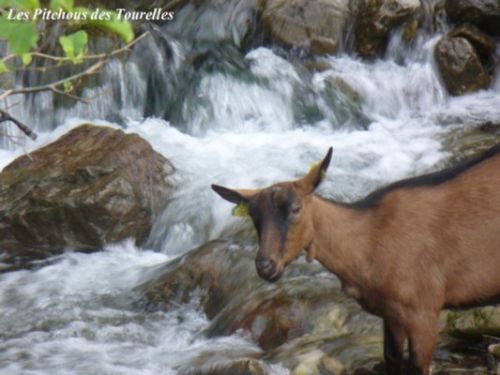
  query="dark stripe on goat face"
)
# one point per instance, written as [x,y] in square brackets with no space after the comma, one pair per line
[270,211]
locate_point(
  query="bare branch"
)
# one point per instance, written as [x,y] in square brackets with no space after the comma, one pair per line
[69,95]
[4,116]
[5,94]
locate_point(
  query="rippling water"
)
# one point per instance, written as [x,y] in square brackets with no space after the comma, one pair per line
[265,123]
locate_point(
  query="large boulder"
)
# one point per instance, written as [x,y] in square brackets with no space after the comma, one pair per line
[485,14]
[314,25]
[460,66]
[92,186]
[375,19]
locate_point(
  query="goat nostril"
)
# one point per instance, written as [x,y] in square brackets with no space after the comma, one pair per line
[265,266]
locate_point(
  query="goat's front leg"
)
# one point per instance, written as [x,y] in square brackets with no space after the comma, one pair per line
[394,340]
[422,334]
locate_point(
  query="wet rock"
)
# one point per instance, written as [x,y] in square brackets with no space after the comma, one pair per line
[483,44]
[375,19]
[494,358]
[274,314]
[494,350]
[93,186]
[460,66]
[344,103]
[221,276]
[216,273]
[466,144]
[484,14]
[348,354]
[474,323]
[313,25]
[238,367]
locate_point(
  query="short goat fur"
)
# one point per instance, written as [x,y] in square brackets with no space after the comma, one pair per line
[404,252]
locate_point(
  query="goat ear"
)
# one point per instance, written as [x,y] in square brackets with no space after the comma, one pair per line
[311,181]
[235,196]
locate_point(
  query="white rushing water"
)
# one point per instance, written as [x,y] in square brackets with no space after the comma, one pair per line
[76,315]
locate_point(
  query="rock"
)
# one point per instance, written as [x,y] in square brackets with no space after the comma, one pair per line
[93,186]
[466,143]
[483,44]
[221,276]
[494,350]
[375,19]
[494,358]
[218,270]
[344,103]
[313,25]
[460,67]
[484,14]
[474,323]
[238,367]
[274,314]
[348,354]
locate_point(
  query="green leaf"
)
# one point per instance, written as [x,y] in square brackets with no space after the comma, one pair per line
[26,58]
[120,27]
[20,4]
[68,86]
[3,67]
[31,4]
[64,4]
[22,36]
[5,26]
[74,45]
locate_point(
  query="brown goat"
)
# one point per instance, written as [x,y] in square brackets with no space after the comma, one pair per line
[404,252]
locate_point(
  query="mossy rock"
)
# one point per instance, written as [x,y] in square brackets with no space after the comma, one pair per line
[94,185]
[474,323]
[465,144]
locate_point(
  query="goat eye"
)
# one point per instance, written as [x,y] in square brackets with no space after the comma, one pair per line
[295,209]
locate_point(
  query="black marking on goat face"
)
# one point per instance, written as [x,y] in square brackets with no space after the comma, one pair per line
[270,211]
[272,207]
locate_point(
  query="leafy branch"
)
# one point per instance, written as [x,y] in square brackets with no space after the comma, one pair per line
[61,86]
[20,31]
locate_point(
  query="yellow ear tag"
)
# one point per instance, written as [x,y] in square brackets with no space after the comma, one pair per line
[323,173]
[241,210]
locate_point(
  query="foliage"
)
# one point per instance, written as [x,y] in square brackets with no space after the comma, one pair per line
[18,26]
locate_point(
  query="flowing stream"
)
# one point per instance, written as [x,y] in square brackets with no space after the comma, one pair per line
[247,120]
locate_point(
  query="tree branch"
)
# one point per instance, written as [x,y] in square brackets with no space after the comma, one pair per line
[93,69]
[88,57]
[4,116]
[53,86]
